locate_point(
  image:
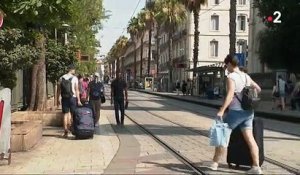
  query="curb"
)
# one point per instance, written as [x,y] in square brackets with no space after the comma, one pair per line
[261,114]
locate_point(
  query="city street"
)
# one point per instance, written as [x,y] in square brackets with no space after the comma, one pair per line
[158,134]
[146,109]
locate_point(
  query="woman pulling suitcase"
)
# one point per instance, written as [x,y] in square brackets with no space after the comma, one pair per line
[237,116]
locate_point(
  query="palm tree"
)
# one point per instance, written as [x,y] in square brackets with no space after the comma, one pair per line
[150,12]
[232,27]
[195,7]
[117,51]
[121,44]
[141,32]
[173,13]
[132,29]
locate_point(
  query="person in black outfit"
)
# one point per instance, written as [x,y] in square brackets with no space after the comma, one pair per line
[118,89]
[184,87]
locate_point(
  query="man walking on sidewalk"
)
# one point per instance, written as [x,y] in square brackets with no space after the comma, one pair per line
[118,88]
[69,90]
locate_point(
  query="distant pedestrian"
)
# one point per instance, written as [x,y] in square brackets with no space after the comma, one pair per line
[83,88]
[281,84]
[68,88]
[237,116]
[184,87]
[189,86]
[95,91]
[118,91]
[177,86]
[295,101]
[275,97]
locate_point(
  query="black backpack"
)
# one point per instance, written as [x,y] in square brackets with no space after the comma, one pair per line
[249,100]
[95,91]
[66,88]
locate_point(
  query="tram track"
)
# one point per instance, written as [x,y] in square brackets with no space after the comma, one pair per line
[205,134]
[212,116]
[261,114]
[174,152]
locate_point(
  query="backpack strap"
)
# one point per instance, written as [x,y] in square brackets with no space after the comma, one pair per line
[244,87]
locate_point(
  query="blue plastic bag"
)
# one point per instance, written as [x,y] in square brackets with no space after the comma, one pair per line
[219,134]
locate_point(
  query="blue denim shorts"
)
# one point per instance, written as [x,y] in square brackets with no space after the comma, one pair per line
[242,119]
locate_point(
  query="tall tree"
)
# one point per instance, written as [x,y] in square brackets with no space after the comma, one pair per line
[149,19]
[15,53]
[117,51]
[173,13]
[58,58]
[132,29]
[195,7]
[41,17]
[279,42]
[37,15]
[232,27]
[141,33]
[86,21]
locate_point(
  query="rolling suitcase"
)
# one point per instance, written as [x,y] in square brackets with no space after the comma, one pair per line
[83,123]
[238,150]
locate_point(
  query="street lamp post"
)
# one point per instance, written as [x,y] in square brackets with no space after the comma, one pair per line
[66,26]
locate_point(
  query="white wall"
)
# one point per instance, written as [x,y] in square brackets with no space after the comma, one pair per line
[222,35]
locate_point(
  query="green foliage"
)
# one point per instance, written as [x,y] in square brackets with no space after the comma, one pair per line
[118,48]
[15,54]
[86,19]
[170,12]
[86,68]
[279,43]
[58,58]
[194,5]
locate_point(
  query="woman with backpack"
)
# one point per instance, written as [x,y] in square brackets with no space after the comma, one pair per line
[83,88]
[95,94]
[237,115]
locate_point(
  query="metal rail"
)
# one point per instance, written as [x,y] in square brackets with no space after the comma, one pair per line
[174,152]
[272,161]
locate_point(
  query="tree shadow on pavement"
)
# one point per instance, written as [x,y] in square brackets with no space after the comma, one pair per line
[180,168]
[155,129]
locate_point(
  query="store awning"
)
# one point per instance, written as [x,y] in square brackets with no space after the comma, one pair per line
[208,68]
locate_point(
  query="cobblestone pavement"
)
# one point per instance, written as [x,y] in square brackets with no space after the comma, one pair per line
[195,146]
[139,153]
[55,155]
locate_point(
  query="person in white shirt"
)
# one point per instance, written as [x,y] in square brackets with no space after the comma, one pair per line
[68,89]
[236,116]
[281,89]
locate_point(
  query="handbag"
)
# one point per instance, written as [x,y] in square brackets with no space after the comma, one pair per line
[276,94]
[219,134]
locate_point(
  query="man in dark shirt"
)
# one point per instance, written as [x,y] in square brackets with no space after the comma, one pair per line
[118,88]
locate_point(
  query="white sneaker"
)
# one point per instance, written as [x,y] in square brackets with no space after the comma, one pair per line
[212,165]
[255,170]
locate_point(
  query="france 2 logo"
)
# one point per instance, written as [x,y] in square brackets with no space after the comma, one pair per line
[275,18]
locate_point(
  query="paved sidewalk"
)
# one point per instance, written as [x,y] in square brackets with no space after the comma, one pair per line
[139,153]
[263,110]
[56,155]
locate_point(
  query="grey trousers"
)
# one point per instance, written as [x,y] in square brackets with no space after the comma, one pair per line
[96,105]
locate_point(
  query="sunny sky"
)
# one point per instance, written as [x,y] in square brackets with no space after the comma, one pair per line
[120,11]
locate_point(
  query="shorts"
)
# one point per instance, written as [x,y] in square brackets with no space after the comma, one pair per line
[68,104]
[281,94]
[242,119]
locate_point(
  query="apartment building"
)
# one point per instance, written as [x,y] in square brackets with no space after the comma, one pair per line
[213,40]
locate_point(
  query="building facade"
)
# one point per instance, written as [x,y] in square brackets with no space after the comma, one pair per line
[213,40]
